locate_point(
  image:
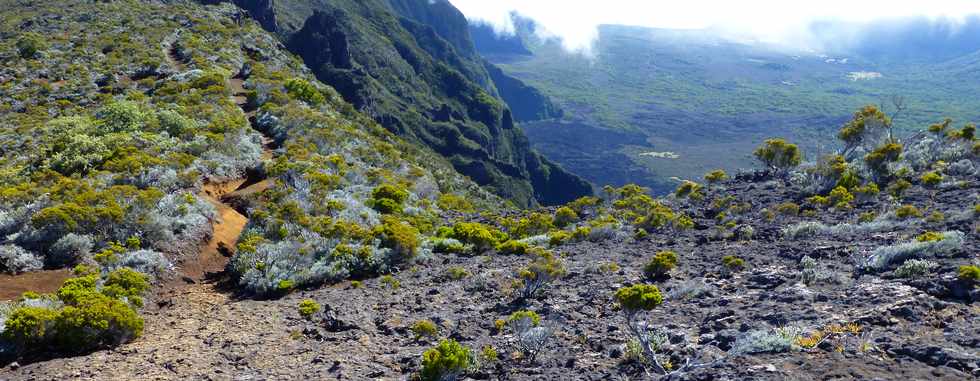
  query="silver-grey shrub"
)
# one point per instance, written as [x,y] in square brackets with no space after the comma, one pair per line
[70,249]
[883,257]
[914,268]
[815,229]
[765,341]
[14,259]
[148,262]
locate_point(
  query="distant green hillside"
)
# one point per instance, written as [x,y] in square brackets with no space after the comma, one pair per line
[708,100]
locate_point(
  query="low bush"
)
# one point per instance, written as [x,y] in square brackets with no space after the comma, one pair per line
[914,268]
[16,260]
[307,308]
[87,317]
[304,91]
[400,237]
[457,273]
[885,256]
[931,179]
[764,341]
[689,189]
[660,265]
[545,269]
[716,176]
[425,329]
[565,216]
[388,198]
[906,212]
[446,361]
[777,154]
[969,274]
[733,264]
[513,247]
[841,198]
[637,298]
[531,337]
[788,209]
[482,237]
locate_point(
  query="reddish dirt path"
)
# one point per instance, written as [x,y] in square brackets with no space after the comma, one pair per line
[42,282]
[215,254]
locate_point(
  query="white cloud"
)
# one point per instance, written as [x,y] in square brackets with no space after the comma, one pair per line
[771,20]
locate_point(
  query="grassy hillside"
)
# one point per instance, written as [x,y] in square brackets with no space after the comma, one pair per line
[706,99]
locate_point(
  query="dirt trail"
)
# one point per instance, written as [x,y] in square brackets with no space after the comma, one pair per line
[12,286]
[215,254]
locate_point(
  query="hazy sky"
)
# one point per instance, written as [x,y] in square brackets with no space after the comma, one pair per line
[771,20]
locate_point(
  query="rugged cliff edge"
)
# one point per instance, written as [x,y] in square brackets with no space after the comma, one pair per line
[411,65]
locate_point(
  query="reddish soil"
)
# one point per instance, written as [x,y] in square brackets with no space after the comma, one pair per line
[12,286]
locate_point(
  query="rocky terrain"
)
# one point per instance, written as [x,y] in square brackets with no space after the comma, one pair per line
[289,234]
[908,329]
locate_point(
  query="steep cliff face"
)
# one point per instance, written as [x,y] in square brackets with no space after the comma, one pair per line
[410,64]
[526,102]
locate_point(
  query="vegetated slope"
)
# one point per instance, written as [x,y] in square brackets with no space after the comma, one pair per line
[130,130]
[707,99]
[412,67]
[754,279]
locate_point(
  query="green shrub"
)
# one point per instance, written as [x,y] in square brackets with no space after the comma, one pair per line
[513,247]
[122,116]
[969,274]
[906,212]
[868,191]
[388,198]
[841,198]
[390,282]
[898,187]
[716,176]
[733,263]
[304,91]
[878,159]
[931,179]
[778,154]
[689,189]
[488,354]
[532,317]
[126,283]
[425,329]
[540,273]
[640,297]
[400,237]
[449,201]
[93,320]
[307,308]
[446,361]
[449,246]
[867,217]
[868,117]
[481,236]
[457,273]
[533,224]
[30,326]
[29,45]
[969,132]
[788,209]
[565,216]
[660,265]
[559,237]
